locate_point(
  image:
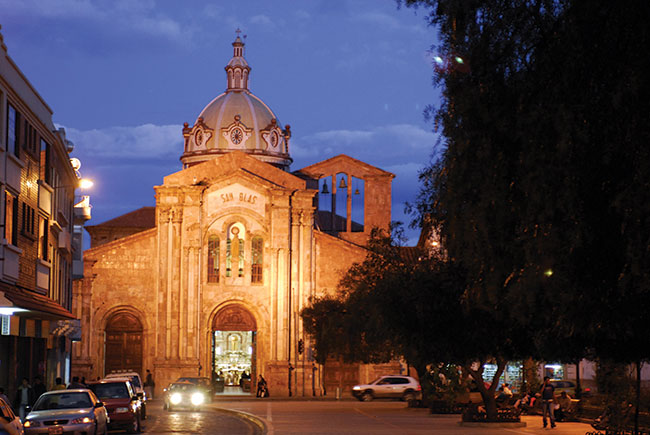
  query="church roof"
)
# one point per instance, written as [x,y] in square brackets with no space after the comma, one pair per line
[237,120]
[235,161]
[344,163]
[144,217]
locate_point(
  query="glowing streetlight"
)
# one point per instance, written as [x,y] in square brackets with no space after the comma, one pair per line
[85,183]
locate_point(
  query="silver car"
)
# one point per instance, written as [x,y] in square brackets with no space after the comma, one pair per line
[67,411]
[389,387]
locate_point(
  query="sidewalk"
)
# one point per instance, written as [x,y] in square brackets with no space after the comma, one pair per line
[378,417]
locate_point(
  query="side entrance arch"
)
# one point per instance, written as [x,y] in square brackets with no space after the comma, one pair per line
[233,350]
[123,346]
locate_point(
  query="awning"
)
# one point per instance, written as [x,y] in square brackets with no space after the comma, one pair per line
[35,305]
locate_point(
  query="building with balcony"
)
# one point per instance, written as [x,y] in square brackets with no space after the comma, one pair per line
[37,188]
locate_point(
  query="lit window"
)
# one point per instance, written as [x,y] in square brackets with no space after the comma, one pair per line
[258,257]
[213,259]
[11,219]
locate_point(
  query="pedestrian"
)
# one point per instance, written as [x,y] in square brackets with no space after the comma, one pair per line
[149,385]
[262,388]
[58,384]
[24,398]
[38,387]
[548,401]
[76,384]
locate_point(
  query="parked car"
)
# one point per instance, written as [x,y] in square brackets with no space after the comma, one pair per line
[67,411]
[204,384]
[183,395]
[392,386]
[123,405]
[9,422]
[136,381]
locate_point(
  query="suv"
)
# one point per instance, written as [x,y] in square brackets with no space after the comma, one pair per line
[136,382]
[392,386]
[123,405]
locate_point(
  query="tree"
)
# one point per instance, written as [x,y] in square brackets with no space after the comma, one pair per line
[393,305]
[543,191]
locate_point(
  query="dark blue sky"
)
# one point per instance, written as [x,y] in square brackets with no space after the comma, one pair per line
[350,76]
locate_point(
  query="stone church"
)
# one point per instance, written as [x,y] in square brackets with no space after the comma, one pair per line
[212,279]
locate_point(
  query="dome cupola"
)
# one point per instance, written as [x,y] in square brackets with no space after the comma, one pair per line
[237,120]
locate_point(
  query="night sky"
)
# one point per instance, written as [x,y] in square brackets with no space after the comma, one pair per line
[349,76]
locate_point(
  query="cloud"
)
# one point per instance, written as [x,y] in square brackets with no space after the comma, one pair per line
[145,141]
[125,17]
[262,20]
[381,145]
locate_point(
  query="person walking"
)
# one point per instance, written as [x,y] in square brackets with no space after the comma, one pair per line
[149,385]
[24,398]
[76,384]
[548,401]
[38,387]
[58,384]
[262,388]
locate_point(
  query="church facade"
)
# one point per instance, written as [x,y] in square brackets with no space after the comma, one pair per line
[211,281]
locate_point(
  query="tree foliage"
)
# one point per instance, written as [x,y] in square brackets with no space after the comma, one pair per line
[542,193]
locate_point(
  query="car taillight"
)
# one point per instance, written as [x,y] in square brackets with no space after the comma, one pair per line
[587,389]
[419,388]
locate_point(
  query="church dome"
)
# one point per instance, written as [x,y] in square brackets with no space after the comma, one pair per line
[237,120]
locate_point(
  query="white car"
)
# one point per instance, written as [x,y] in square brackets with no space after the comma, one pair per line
[67,412]
[389,387]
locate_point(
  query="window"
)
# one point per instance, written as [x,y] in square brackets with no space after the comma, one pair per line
[46,164]
[13,130]
[213,259]
[30,138]
[11,218]
[43,231]
[258,257]
[28,220]
[235,252]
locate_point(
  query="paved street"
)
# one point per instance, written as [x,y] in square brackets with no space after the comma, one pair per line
[327,417]
[207,421]
[378,417]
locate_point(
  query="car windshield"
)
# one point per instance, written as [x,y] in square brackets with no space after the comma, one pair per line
[181,387]
[135,381]
[110,391]
[63,401]
[375,381]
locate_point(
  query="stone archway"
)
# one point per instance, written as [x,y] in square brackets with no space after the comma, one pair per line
[123,346]
[234,346]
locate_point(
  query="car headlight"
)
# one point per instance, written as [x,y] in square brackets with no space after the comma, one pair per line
[82,420]
[197,399]
[30,423]
[356,387]
[118,410]
[176,398]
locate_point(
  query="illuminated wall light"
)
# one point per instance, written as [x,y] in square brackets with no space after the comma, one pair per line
[548,272]
[459,60]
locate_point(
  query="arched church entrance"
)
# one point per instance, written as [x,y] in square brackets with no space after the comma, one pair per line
[233,350]
[123,346]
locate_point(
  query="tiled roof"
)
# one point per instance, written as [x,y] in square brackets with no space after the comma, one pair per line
[144,217]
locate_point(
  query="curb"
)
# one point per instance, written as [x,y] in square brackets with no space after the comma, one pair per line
[257,421]
[493,425]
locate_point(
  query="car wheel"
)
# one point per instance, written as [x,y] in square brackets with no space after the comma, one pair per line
[408,396]
[144,411]
[135,425]
[367,396]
